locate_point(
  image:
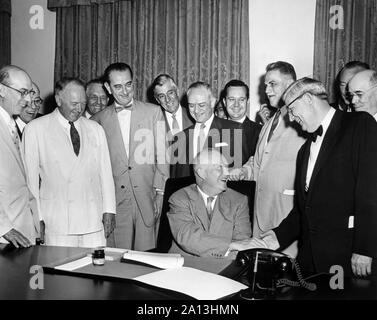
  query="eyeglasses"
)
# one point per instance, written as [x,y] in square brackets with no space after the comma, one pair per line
[38,101]
[23,93]
[359,94]
[171,94]
[293,101]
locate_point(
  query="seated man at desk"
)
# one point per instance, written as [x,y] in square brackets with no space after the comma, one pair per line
[206,217]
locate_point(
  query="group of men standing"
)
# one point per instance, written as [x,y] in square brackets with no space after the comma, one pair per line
[79,182]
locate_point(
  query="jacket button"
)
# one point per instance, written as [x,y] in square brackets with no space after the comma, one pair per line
[122,187]
[129,168]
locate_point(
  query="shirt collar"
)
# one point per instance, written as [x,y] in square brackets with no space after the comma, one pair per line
[124,108]
[240,120]
[178,113]
[204,195]
[375,116]
[326,120]
[207,123]
[64,122]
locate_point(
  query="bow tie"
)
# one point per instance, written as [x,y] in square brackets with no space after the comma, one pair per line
[313,136]
[120,108]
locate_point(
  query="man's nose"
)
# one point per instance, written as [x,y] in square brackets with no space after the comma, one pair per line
[354,98]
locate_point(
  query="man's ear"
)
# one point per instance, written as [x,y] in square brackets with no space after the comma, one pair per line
[107,86]
[213,102]
[2,93]
[200,172]
[58,99]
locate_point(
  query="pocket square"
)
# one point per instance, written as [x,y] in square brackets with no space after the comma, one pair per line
[221,144]
[350,222]
[289,192]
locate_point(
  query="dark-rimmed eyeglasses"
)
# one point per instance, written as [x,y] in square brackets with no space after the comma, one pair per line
[23,93]
[38,102]
[359,94]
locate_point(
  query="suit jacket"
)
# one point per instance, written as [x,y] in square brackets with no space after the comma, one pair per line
[195,234]
[74,191]
[186,122]
[343,184]
[250,134]
[18,208]
[225,135]
[132,175]
[274,168]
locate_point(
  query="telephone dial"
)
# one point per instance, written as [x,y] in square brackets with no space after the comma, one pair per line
[268,271]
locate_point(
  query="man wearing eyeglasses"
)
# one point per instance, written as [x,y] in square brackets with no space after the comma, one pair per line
[335,213]
[30,112]
[96,97]
[363,92]
[166,94]
[18,212]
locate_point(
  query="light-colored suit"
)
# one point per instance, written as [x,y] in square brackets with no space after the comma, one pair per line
[137,176]
[72,191]
[195,234]
[274,168]
[18,208]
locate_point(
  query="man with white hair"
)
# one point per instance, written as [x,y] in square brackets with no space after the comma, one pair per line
[335,212]
[363,92]
[206,217]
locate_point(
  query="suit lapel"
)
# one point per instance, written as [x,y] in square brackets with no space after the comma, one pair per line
[6,136]
[220,210]
[331,137]
[304,167]
[186,122]
[199,208]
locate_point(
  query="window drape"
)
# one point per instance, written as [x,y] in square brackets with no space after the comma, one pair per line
[191,40]
[5,36]
[334,46]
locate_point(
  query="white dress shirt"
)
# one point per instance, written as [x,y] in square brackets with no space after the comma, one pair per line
[197,130]
[279,120]
[240,120]
[316,146]
[67,127]
[205,197]
[21,125]
[178,116]
[124,118]
[375,116]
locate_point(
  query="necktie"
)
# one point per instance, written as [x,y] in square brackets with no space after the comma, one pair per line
[75,138]
[201,138]
[274,125]
[175,128]
[209,207]
[15,136]
[313,136]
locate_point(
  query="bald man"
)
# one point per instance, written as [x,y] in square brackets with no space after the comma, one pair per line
[18,213]
[363,92]
[206,217]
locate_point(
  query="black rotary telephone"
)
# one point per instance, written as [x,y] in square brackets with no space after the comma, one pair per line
[267,271]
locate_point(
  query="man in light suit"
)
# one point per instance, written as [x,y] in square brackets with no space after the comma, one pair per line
[96,97]
[30,112]
[363,92]
[18,211]
[136,135]
[166,94]
[335,214]
[69,171]
[236,102]
[274,165]
[207,132]
[206,217]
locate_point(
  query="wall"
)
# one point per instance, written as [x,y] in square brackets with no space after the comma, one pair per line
[34,50]
[279,30]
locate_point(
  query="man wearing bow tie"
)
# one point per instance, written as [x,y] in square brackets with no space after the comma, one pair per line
[135,133]
[335,213]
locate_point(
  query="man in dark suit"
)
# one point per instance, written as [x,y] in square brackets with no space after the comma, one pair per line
[206,217]
[236,102]
[207,132]
[166,94]
[135,134]
[335,213]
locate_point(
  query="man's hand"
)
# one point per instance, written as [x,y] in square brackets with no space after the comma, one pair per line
[264,113]
[158,200]
[17,239]
[108,220]
[237,174]
[361,265]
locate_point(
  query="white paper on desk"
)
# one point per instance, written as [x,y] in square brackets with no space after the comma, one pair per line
[198,284]
[159,260]
[79,263]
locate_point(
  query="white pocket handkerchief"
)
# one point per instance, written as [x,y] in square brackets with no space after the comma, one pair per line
[289,192]
[221,144]
[350,222]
